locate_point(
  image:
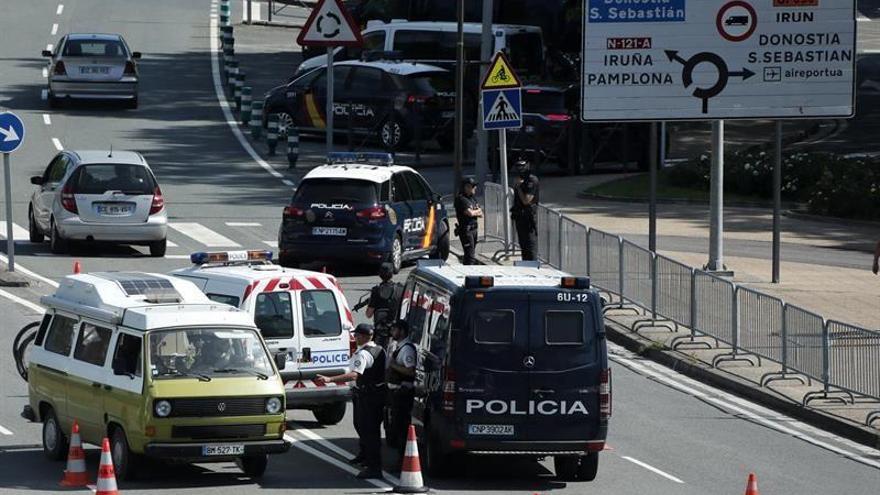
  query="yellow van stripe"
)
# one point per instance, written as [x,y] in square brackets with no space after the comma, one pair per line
[314,114]
[426,242]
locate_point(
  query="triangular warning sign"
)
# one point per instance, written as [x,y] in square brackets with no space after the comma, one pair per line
[501,74]
[502,110]
[330,25]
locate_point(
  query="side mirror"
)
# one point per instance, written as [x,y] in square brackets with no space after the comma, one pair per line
[281,360]
[37,180]
[47,53]
[136,55]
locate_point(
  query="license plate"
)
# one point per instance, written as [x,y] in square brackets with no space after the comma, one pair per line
[496,430]
[114,210]
[214,450]
[94,70]
[329,231]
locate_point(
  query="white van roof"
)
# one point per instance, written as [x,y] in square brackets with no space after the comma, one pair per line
[246,273]
[505,276]
[143,301]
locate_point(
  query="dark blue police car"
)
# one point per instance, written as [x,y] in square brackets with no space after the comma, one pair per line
[361,208]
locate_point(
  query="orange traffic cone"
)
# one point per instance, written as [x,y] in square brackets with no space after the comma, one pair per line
[752,486]
[411,471]
[106,475]
[76,267]
[75,474]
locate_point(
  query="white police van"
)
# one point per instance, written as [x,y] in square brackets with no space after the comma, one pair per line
[512,361]
[301,313]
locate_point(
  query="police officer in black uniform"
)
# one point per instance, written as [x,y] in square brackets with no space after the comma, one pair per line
[467,211]
[524,212]
[401,380]
[367,369]
[384,302]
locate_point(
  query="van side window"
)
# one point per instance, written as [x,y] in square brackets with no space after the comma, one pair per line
[320,314]
[564,327]
[60,338]
[92,344]
[418,312]
[274,315]
[406,299]
[224,299]
[128,358]
[44,327]
[494,327]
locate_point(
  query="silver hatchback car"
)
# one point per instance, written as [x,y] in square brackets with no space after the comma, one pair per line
[93,66]
[101,196]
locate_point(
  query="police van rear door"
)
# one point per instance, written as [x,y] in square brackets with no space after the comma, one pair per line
[565,363]
[492,381]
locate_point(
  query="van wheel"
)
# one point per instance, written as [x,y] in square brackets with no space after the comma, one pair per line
[437,464]
[57,244]
[125,463]
[157,249]
[34,234]
[253,466]
[331,414]
[54,441]
[396,255]
[589,467]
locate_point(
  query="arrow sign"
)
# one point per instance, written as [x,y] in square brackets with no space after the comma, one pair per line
[745,74]
[330,24]
[12,132]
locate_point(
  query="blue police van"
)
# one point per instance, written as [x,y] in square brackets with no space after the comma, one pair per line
[362,208]
[512,361]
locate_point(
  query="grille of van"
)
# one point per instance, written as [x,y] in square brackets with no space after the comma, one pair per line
[218,431]
[223,406]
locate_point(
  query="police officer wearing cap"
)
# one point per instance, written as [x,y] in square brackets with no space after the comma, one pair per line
[367,368]
[401,379]
[467,211]
[524,211]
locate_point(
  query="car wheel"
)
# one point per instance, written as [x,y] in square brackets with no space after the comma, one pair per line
[54,441]
[588,467]
[396,257]
[124,461]
[132,103]
[253,466]
[54,101]
[566,467]
[441,252]
[57,244]
[285,122]
[391,134]
[34,234]
[157,249]
[330,414]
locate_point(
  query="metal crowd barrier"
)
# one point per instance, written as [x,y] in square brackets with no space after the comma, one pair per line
[844,359]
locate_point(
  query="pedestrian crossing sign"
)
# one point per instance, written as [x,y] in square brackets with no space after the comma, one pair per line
[502,109]
[501,74]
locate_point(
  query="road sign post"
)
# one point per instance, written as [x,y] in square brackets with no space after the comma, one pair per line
[330,25]
[11,137]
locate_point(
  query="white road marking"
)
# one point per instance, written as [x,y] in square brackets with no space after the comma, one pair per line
[60,9]
[4,431]
[19,233]
[224,104]
[203,234]
[57,144]
[49,47]
[177,256]
[273,244]
[862,18]
[45,72]
[339,451]
[170,243]
[288,182]
[54,29]
[331,460]
[29,273]
[47,119]
[243,224]
[44,94]
[36,308]
[255,10]
[651,468]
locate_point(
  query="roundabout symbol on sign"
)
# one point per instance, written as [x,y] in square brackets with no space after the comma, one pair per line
[736,20]
[687,74]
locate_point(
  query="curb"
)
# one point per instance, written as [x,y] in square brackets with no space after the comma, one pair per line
[743,388]
[13,279]
[800,215]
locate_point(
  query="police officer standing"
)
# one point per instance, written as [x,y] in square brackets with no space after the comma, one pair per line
[524,212]
[467,211]
[401,379]
[367,368]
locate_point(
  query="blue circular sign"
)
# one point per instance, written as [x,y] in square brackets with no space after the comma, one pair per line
[11,132]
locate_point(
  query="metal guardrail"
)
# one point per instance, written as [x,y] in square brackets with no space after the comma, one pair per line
[844,359]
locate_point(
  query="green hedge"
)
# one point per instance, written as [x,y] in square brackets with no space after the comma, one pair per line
[828,184]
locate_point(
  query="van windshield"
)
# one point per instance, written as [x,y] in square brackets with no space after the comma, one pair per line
[204,353]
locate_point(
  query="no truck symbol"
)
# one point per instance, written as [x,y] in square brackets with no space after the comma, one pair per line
[687,74]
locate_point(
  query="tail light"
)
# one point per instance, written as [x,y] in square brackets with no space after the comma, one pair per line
[449,392]
[68,200]
[60,70]
[416,99]
[557,117]
[352,344]
[293,212]
[158,201]
[372,213]
[605,394]
[130,69]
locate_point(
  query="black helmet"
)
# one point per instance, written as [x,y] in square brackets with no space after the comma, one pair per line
[386,271]
[364,329]
[402,325]
[468,181]
[522,163]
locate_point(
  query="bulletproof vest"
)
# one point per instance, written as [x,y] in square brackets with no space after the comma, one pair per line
[386,294]
[394,377]
[465,221]
[375,374]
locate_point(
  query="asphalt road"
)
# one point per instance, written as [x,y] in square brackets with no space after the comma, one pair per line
[669,435]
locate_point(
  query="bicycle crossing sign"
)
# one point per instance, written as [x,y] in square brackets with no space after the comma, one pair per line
[500,75]
[502,109]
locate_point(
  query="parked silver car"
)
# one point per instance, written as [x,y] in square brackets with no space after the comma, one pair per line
[93,66]
[98,196]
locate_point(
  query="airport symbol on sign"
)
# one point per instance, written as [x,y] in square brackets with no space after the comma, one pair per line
[11,132]
[330,25]
[502,109]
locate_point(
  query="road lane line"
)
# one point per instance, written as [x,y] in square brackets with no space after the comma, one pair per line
[4,431]
[652,469]
[47,119]
[29,273]
[177,256]
[288,182]
[54,29]
[331,460]
[170,243]
[57,144]
[243,224]
[45,72]
[49,47]
[60,9]
[340,451]
[18,233]
[44,94]
[24,302]
[224,104]
[203,234]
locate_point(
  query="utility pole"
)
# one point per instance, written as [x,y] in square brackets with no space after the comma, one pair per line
[487,45]
[459,103]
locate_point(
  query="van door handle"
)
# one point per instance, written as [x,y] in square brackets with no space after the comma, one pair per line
[96,384]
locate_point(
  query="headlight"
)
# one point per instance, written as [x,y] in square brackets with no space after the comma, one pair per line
[273,405]
[162,408]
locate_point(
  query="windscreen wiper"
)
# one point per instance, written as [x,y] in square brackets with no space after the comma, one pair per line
[201,376]
[261,376]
